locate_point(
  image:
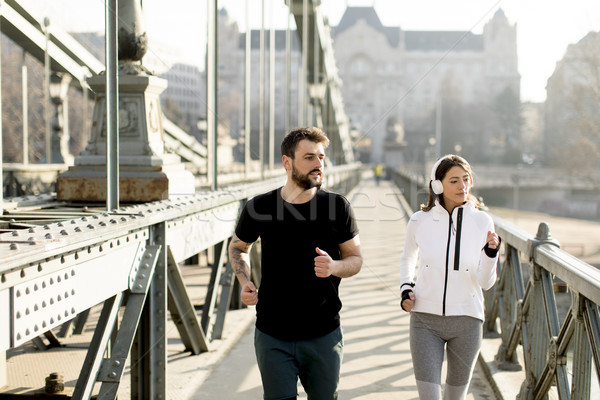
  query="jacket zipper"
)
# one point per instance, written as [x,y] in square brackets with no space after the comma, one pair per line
[447,255]
[456,251]
[457,241]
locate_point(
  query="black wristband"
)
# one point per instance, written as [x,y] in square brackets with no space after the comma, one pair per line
[491,253]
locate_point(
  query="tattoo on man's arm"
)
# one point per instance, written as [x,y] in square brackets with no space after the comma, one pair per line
[239,261]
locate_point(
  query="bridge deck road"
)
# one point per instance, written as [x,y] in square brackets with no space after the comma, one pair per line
[377,362]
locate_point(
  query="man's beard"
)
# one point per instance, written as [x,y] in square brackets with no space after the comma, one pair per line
[305,181]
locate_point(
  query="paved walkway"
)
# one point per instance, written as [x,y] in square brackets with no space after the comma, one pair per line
[377,362]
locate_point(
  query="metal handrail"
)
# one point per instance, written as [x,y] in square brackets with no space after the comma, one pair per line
[557,351]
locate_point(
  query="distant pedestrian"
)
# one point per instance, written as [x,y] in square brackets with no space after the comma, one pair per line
[309,241]
[378,171]
[453,247]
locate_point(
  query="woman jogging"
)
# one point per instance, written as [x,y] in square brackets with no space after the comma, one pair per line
[452,247]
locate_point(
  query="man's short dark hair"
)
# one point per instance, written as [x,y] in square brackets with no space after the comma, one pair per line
[291,140]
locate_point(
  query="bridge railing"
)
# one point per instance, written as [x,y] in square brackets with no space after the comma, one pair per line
[560,352]
[57,263]
[559,340]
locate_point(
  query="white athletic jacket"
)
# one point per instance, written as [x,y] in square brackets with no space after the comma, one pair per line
[453,268]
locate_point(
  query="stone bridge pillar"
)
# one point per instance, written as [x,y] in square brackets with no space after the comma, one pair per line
[146,171]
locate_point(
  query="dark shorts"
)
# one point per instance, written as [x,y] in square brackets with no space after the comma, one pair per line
[316,362]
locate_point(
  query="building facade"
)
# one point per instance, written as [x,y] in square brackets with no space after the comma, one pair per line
[572,118]
[434,91]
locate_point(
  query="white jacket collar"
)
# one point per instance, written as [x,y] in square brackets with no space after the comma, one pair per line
[440,212]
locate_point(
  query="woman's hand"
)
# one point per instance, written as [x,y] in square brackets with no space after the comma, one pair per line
[408,304]
[492,240]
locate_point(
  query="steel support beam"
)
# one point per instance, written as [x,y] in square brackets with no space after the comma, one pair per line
[149,350]
[211,296]
[183,312]
[95,353]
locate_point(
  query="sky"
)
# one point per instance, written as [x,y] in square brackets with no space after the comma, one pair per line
[178,31]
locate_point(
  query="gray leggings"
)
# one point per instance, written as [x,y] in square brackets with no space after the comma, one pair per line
[429,335]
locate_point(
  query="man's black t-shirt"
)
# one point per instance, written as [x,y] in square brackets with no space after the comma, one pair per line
[293,303]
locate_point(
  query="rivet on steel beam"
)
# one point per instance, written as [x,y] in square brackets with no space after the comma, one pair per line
[64,233]
[12,220]
[95,217]
[15,233]
[59,224]
[31,240]
[31,230]
[90,226]
[77,229]
[84,218]
[14,246]
[113,221]
[102,223]
[48,236]
[116,363]
[139,286]
[145,265]
[123,219]
[73,221]
[46,227]
[22,273]
[112,375]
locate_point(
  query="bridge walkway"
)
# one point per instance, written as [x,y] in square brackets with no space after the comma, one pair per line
[377,362]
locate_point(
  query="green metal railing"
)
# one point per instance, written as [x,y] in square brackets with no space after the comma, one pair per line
[560,352]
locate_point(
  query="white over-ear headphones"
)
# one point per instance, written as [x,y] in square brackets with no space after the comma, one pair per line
[436,184]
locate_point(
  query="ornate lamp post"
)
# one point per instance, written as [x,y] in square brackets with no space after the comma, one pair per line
[146,171]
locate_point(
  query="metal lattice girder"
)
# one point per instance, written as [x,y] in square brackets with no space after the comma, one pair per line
[182,310]
[112,368]
[592,324]
[149,349]
[48,301]
[95,368]
[215,277]
[227,283]
[93,359]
